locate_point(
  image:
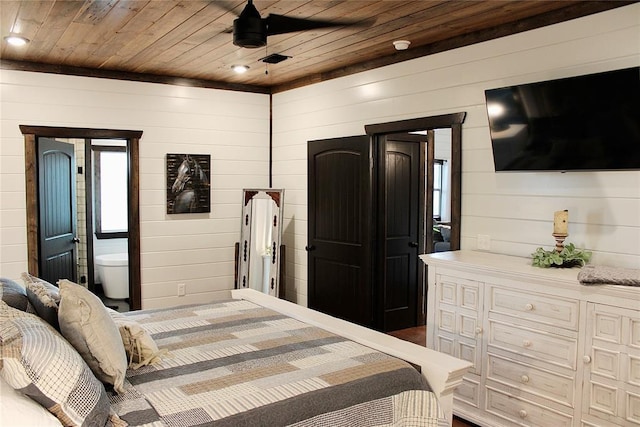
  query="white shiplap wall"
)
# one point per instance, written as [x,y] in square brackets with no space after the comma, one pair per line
[515,210]
[195,249]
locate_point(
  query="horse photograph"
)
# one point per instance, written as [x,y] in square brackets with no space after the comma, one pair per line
[188,188]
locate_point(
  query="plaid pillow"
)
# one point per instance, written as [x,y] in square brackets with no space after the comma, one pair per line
[40,363]
[44,297]
[15,295]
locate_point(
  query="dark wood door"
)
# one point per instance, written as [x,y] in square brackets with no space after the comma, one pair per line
[340,228]
[57,210]
[400,223]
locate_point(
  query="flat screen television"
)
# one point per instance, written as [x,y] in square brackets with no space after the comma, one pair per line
[589,122]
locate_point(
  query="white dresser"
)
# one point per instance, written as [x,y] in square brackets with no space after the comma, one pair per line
[547,351]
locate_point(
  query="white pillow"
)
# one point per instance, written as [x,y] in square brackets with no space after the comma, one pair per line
[17,410]
[86,324]
[141,349]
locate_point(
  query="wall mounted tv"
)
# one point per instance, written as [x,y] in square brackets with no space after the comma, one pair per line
[589,122]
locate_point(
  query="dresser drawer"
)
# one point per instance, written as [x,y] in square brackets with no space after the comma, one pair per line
[554,311]
[547,384]
[522,412]
[545,346]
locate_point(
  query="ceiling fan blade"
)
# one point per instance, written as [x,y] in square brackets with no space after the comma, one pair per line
[280,24]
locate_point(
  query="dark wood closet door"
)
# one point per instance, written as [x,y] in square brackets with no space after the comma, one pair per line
[399,218]
[57,210]
[340,228]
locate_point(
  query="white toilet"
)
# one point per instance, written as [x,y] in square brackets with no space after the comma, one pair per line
[113,270]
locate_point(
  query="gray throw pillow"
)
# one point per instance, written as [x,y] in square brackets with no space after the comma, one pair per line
[44,297]
[15,295]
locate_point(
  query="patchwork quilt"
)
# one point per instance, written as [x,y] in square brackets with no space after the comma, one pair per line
[235,363]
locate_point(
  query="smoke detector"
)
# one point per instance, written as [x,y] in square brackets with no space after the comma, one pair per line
[401,44]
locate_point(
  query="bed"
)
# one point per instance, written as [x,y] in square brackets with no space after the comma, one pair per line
[257,360]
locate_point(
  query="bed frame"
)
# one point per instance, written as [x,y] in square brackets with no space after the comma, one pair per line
[443,372]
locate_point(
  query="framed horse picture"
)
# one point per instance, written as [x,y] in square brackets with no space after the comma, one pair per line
[188,184]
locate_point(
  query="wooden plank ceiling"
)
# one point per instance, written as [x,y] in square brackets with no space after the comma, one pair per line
[163,40]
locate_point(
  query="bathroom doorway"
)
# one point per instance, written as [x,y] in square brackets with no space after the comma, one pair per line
[105,207]
[122,141]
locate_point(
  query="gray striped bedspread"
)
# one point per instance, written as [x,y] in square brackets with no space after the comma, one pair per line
[234,363]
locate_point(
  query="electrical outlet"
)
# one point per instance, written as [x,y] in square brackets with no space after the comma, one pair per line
[484,242]
[182,289]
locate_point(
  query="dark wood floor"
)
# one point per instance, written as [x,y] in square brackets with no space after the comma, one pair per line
[418,335]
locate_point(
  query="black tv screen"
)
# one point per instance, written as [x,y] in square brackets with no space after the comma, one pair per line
[590,122]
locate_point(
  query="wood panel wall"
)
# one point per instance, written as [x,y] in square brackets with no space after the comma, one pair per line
[514,209]
[195,249]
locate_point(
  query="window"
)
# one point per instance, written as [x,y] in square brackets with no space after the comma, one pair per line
[438,178]
[110,189]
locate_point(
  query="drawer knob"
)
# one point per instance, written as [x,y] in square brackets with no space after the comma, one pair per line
[478,330]
[524,379]
[526,343]
[529,307]
[586,359]
[522,413]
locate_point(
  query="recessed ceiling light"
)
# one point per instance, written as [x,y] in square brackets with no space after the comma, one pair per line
[15,40]
[240,69]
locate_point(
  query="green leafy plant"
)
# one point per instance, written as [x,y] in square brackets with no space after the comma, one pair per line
[570,256]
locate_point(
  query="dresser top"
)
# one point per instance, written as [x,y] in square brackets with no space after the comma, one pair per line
[498,262]
[514,267]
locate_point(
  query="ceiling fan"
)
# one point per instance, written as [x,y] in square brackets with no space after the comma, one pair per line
[250,30]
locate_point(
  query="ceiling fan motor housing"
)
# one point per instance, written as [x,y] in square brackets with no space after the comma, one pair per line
[249,31]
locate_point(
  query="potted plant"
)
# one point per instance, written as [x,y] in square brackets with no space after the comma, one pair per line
[568,257]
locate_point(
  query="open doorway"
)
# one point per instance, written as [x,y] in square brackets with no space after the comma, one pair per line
[443,142]
[106,177]
[32,134]
[370,215]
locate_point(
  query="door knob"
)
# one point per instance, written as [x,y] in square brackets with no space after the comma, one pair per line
[309,248]
[413,244]
[75,240]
